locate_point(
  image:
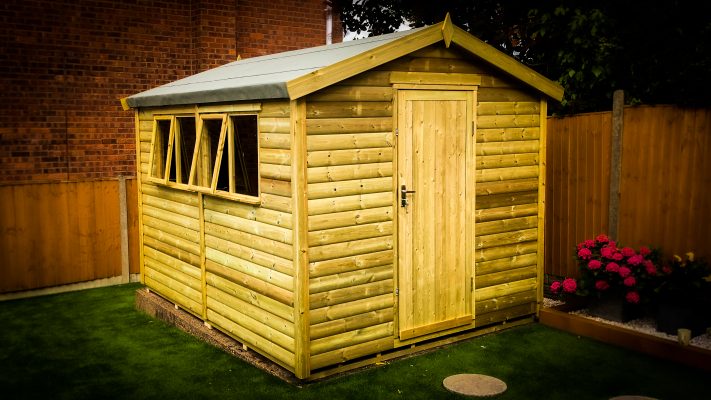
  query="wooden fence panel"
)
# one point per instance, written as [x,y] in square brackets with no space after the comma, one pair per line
[665,188]
[578,180]
[665,196]
[62,232]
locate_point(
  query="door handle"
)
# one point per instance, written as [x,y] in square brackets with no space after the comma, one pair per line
[403,195]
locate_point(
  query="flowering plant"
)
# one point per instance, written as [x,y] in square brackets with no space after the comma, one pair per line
[607,268]
[683,278]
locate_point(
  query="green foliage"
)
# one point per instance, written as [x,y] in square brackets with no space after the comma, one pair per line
[657,51]
[684,280]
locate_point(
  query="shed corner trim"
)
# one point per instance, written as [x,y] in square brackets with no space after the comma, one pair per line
[124,103]
[507,64]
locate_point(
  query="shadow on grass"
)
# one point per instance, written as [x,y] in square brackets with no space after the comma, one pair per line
[93,344]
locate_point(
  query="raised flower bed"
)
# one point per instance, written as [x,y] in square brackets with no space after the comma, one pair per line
[621,284]
[639,335]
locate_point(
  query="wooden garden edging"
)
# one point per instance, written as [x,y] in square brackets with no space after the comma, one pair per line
[629,339]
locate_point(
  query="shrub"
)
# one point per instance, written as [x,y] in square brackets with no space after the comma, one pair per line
[606,268]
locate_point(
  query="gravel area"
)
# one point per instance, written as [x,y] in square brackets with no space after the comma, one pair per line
[644,325]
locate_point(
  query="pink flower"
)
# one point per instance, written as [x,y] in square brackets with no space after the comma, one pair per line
[624,272]
[612,267]
[602,238]
[594,264]
[584,254]
[569,285]
[644,251]
[617,256]
[666,269]
[628,252]
[602,285]
[612,244]
[589,243]
[629,281]
[635,260]
[555,287]
[632,297]
[649,266]
[607,252]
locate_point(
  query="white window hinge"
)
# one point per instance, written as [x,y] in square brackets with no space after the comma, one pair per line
[397,291]
[397,132]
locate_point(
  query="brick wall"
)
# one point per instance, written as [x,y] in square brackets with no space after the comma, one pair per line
[299,24]
[64,65]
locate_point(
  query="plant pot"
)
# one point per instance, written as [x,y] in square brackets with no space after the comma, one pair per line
[613,308]
[673,316]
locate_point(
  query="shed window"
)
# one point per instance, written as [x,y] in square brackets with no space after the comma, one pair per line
[215,153]
[162,135]
[173,145]
[211,131]
[185,146]
[227,158]
[243,141]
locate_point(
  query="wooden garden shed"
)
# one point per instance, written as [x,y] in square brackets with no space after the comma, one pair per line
[345,202]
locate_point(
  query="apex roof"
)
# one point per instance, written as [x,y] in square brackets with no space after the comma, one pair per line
[294,74]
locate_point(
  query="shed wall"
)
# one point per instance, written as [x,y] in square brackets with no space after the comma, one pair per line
[350,189]
[351,236]
[246,250]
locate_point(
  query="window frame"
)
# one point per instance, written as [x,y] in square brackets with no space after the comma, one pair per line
[172,152]
[226,143]
[165,166]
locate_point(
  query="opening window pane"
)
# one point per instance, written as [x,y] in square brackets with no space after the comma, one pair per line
[185,146]
[161,146]
[246,154]
[212,129]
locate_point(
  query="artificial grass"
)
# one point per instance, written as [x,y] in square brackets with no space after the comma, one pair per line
[93,344]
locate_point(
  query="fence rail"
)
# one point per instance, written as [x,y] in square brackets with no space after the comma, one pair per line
[65,232]
[665,182]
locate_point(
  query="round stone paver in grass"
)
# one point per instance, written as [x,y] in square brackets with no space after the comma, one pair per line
[474,385]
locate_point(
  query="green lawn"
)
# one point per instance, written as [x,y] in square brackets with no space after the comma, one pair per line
[93,344]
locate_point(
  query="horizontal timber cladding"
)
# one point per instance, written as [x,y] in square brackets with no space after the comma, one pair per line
[508,132]
[350,171]
[171,245]
[227,261]
[233,263]
[349,162]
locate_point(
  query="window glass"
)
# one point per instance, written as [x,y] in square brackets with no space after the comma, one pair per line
[207,154]
[218,152]
[185,147]
[161,139]
[246,154]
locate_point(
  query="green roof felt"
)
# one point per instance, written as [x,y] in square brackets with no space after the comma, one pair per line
[256,78]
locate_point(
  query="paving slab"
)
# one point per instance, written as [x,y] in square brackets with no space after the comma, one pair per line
[474,385]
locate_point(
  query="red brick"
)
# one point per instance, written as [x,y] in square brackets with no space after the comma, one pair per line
[65,64]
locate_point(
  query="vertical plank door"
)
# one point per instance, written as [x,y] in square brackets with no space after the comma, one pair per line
[435,227]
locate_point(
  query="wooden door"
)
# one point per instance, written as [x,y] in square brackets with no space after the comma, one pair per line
[435,227]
